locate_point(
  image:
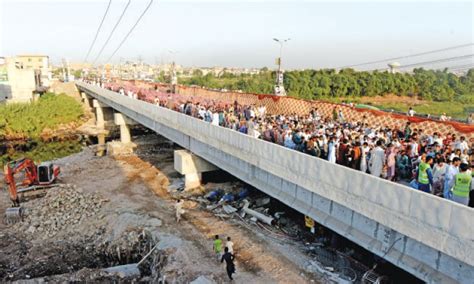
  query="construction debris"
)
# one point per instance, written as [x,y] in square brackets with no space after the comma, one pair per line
[262,201]
[261,217]
[63,206]
[229,209]
[124,271]
[49,260]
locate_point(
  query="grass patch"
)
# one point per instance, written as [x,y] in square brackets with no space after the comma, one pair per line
[452,109]
[456,110]
[45,151]
[29,120]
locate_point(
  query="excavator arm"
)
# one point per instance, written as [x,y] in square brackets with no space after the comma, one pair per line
[15,167]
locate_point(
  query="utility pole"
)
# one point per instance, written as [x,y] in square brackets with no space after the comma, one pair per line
[174,76]
[120,68]
[63,70]
[140,66]
[66,70]
[279,87]
[155,69]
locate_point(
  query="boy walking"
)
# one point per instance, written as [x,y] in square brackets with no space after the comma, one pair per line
[217,247]
[230,245]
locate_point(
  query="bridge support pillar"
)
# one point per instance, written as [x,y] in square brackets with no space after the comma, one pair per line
[103,114]
[99,114]
[123,122]
[125,146]
[191,166]
[85,100]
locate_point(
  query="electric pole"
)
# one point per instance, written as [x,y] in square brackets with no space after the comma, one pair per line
[279,87]
[174,76]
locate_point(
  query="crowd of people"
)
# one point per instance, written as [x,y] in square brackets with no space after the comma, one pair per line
[397,154]
[434,163]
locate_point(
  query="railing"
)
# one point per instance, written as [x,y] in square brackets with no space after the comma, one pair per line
[441,224]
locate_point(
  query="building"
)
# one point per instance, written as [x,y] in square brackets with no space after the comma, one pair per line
[17,83]
[38,63]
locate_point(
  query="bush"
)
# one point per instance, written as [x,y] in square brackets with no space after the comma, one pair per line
[29,120]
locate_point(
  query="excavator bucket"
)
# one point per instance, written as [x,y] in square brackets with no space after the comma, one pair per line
[13,215]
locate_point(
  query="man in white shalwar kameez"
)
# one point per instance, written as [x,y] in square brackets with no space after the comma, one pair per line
[332,150]
[377,160]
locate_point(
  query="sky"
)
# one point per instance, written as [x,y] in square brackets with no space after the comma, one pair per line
[239,33]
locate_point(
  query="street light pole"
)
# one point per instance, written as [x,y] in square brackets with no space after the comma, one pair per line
[174,76]
[279,87]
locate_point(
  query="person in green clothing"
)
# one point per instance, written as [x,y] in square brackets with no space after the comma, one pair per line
[462,185]
[217,247]
[407,131]
[425,176]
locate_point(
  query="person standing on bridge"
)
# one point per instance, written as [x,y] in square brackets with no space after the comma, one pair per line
[424,175]
[462,185]
[377,159]
[332,146]
[451,171]
[364,157]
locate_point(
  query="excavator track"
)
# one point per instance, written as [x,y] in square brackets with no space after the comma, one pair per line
[35,191]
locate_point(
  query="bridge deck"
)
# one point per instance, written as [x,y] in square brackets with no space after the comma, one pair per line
[428,236]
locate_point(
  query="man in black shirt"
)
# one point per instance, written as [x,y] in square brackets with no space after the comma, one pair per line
[229,260]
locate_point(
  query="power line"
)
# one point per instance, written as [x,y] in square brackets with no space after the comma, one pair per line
[434,61]
[98,30]
[131,30]
[112,32]
[409,56]
[461,67]
[439,60]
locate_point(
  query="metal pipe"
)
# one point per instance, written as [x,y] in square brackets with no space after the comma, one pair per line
[262,217]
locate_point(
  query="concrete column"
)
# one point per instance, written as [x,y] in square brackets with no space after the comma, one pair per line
[99,114]
[100,145]
[191,166]
[85,99]
[125,146]
[125,134]
[192,180]
[123,122]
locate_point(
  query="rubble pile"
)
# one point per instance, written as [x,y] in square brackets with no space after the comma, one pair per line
[129,248]
[63,206]
[84,258]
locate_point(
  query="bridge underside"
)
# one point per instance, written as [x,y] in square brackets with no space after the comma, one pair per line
[423,261]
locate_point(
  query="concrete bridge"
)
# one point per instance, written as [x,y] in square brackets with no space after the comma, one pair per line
[427,236]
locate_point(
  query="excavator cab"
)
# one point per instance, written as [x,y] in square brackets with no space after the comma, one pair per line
[47,173]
